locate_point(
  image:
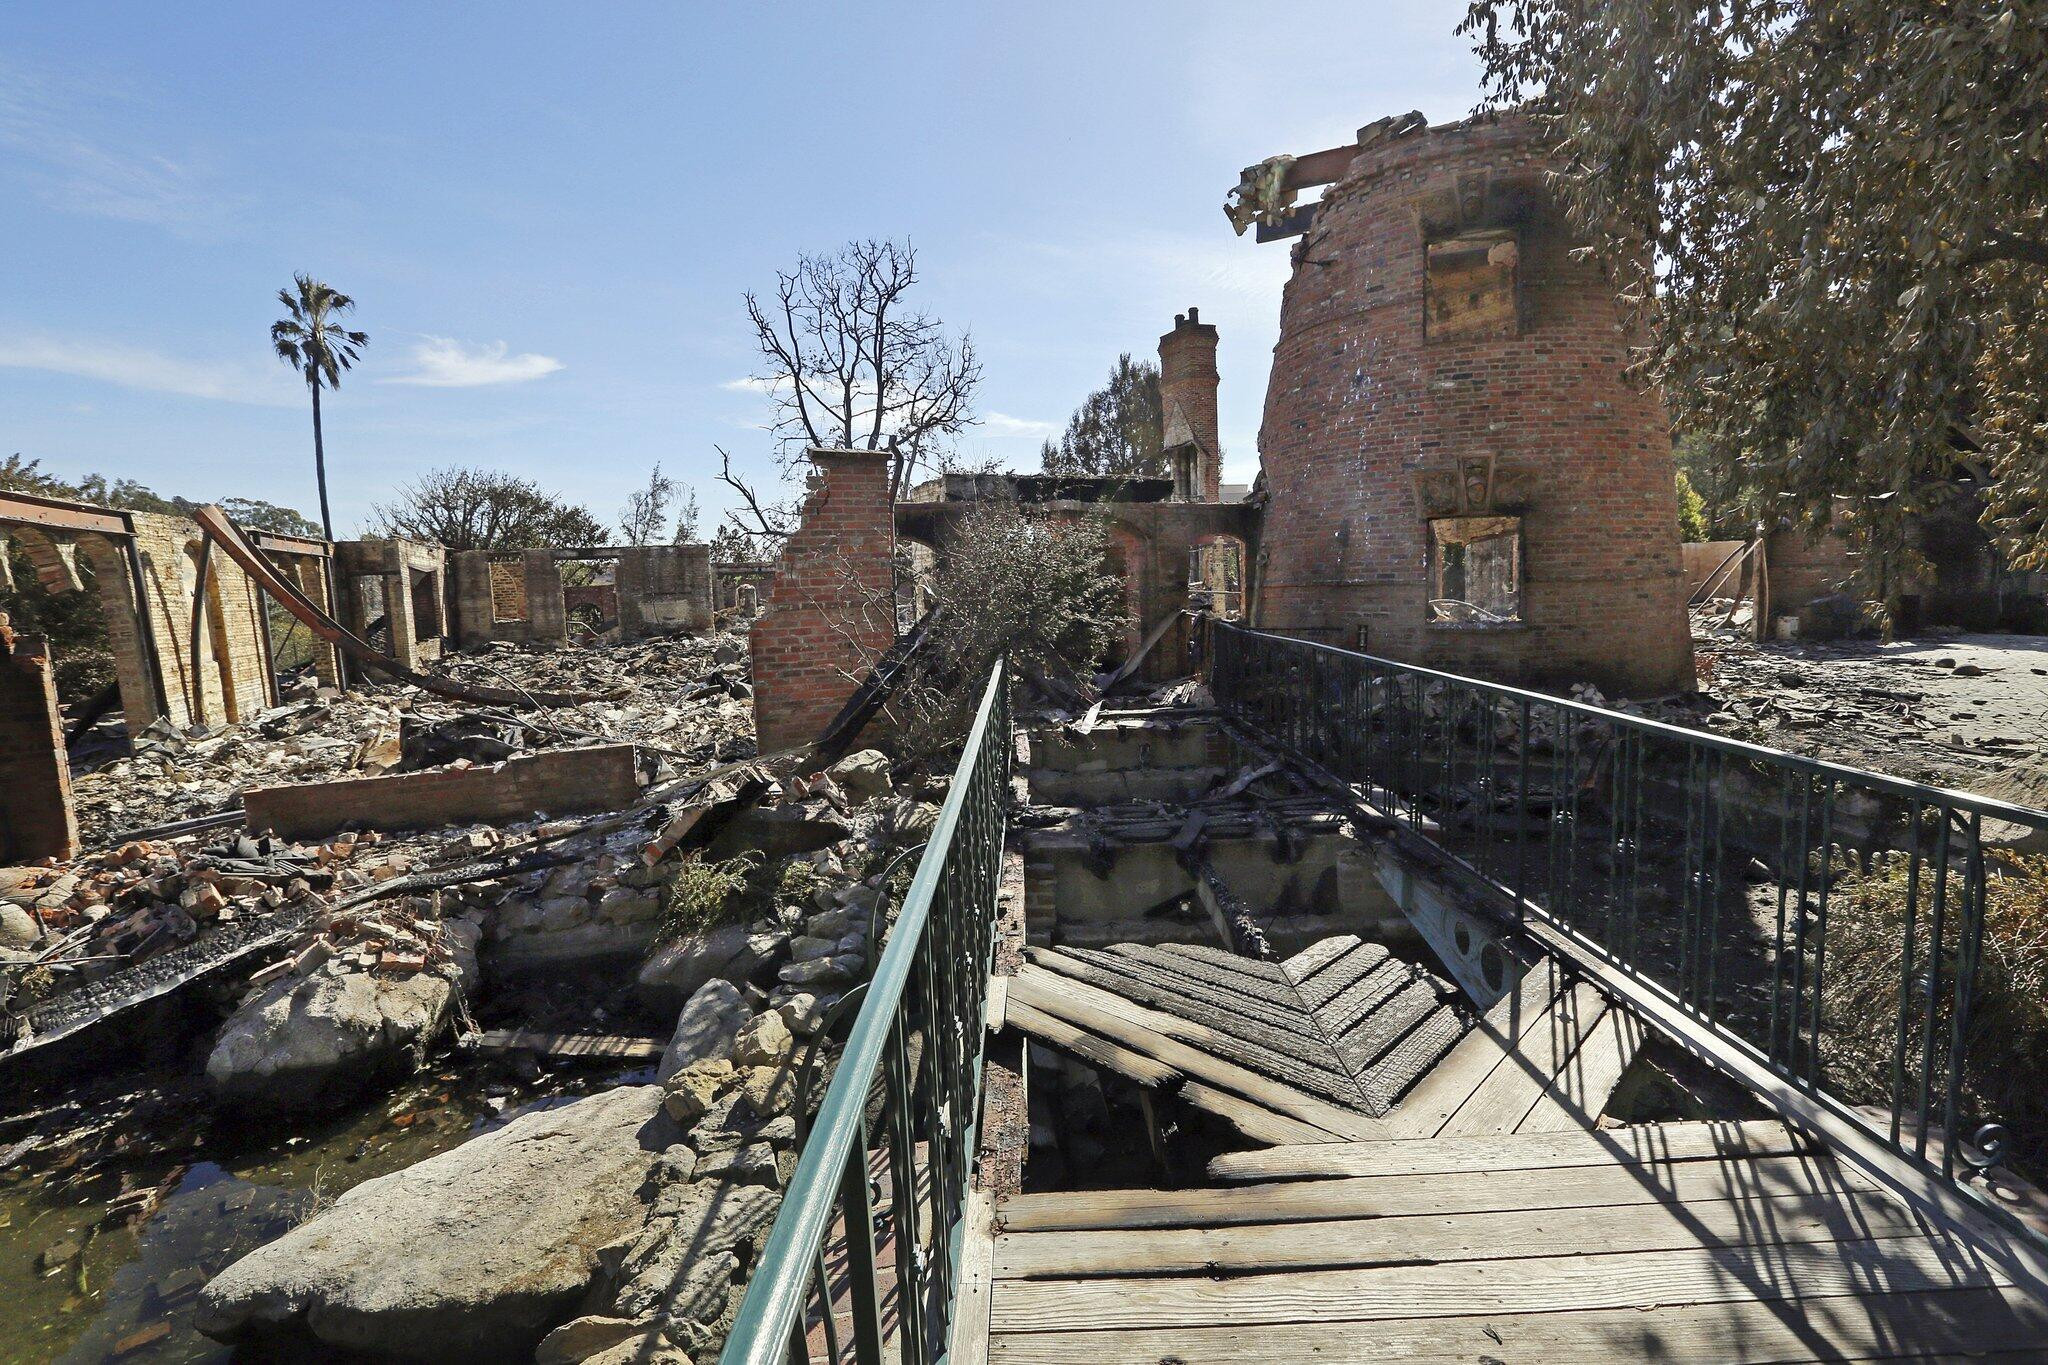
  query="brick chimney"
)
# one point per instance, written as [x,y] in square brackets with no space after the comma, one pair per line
[1187,404]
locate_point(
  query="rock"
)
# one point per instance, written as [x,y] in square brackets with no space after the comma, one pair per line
[822,971]
[806,946]
[590,947]
[581,1338]
[18,928]
[751,1163]
[764,1040]
[629,905]
[692,1089]
[863,776]
[306,1042]
[651,1349]
[706,1026]
[702,1235]
[804,1012]
[768,1089]
[675,970]
[908,822]
[469,1255]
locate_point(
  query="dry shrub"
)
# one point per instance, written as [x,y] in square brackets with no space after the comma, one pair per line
[706,894]
[2006,1041]
[1016,582]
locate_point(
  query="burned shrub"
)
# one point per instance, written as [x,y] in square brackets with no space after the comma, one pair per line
[707,893]
[1038,588]
[2005,1044]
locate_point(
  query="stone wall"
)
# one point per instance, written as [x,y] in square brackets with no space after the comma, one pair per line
[36,820]
[231,680]
[830,613]
[1497,391]
[404,581]
[664,588]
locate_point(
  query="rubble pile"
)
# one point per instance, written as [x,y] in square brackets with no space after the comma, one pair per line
[683,699]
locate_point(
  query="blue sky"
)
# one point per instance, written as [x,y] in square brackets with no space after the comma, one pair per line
[548,214]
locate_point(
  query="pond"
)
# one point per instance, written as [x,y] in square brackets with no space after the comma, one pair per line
[132,1192]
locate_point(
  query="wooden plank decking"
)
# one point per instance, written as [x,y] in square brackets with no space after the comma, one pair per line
[1681,1242]
[1341,1041]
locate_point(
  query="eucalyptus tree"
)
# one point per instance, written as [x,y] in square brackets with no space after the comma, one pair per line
[1834,218]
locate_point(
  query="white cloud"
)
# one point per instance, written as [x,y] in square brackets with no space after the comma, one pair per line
[753,384]
[1002,424]
[445,363]
[138,367]
[86,151]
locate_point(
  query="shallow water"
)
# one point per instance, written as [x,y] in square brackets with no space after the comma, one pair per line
[84,1278]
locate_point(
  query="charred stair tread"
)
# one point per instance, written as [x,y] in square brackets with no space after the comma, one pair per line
[1326,1042]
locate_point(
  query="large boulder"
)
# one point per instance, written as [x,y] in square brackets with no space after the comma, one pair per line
[862,776]
[321,1039]
[706,1026]
[676,970]
[470,1255]
[18,928]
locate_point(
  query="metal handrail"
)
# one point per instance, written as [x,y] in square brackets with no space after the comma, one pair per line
[1705,867]
[920,1033]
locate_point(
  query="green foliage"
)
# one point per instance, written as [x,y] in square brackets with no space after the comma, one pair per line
[799,880]
[1116,430]
[1847,216]
[483,509]
[1014,582]
[706,894]
[309,337]
[1692,511]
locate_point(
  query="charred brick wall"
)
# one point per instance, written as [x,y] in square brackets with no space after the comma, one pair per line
[36,819]
[231,680]
[830,612]
[1502,400]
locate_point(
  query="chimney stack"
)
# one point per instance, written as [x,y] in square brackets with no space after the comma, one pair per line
[1187,400]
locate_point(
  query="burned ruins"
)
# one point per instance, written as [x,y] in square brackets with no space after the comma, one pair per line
[1445,887]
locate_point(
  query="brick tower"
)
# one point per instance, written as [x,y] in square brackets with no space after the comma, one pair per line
[1187,407]
[1459,474]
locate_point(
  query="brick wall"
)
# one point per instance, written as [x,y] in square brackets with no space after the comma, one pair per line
[1361,403]
[558,782]
[829,614]
[232,680]
[1187,394]
[664,587]
[36,819]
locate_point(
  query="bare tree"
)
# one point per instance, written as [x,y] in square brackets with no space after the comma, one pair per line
[477,509]
[850,364]
[646,509]
[763,523]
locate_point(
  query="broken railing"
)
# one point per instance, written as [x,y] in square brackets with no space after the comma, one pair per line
[901,1110]
[1828,922]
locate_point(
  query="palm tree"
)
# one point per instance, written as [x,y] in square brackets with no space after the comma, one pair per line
[309,341]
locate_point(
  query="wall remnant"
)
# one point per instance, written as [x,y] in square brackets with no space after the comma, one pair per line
[1443,357]
[557,781]
[36,819]
[830,613]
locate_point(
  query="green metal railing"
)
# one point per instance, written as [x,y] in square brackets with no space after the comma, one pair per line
[901,1110]
[1828,921]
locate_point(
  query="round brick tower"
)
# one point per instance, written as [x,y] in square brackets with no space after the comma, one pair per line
[1458,473]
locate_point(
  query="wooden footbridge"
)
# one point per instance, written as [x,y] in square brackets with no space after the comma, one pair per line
[1420,1182]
